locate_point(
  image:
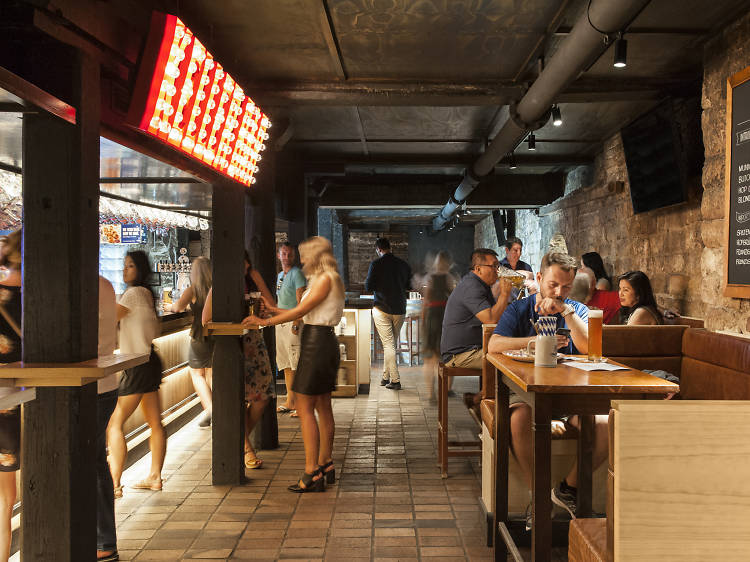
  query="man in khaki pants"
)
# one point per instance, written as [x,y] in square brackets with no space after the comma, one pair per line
[389,279]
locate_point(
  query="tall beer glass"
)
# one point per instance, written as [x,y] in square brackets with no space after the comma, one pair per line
[595,335]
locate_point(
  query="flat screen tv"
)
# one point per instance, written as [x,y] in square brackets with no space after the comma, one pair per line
[654,158]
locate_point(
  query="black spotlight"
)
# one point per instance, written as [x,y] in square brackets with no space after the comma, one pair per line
[556,116]
[621,52]
[512,161]
[532,141]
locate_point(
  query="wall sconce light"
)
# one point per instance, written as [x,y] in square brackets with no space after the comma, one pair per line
[556,116]
[532,141]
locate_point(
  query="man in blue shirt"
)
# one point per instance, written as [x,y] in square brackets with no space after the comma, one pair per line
[290,286]
[514,331]
[389,278]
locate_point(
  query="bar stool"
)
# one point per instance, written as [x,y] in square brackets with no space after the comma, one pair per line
[447,449]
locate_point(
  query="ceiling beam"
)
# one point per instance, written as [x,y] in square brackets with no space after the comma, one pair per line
[320,163]
[496,191]
[390,93]
[329,34]
[689,31]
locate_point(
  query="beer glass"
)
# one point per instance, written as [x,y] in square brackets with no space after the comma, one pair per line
[595,335]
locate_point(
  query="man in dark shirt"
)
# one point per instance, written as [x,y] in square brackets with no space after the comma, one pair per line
[514,330]
[389,278]
[512,259]
[470,305]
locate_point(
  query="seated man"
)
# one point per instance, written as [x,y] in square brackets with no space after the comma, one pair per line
[514,330]
[470,305]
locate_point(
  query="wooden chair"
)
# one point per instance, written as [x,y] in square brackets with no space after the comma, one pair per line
[447,449]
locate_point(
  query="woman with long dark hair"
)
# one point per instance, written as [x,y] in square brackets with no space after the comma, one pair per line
[10,351]
[321,309]
[594,261]
[259,383]
[201,347]
[638,305]
[140,385]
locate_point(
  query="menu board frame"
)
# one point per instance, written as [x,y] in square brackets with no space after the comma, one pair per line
[734,287]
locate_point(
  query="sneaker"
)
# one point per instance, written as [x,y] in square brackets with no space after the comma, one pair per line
[563,497]
[394,385]
[384,382]
[205,420]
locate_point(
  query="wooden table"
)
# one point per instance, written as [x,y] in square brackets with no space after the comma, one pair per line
[227,328]
[67,374]
[551,393]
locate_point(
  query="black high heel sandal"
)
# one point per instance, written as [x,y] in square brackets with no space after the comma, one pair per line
[330,475]
[309,485]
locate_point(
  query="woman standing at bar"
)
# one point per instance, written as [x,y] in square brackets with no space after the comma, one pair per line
[10,351]
[140,385]
[321,309]
[259,383]
[201,347]
[637,302]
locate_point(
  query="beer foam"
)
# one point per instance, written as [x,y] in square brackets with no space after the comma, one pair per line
[596,313]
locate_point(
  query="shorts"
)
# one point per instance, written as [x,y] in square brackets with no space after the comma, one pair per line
[143,378]
[287,347]
[10,439]
[200,353]
[471,359]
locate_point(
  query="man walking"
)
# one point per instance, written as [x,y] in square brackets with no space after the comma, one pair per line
[389,279]
[290,285]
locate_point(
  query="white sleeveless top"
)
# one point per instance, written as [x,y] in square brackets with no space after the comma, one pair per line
[328,312]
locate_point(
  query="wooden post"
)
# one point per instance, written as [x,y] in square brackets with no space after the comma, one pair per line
[227,422]
[60,298]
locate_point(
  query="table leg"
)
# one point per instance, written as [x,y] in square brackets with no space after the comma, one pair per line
[502,447]
[541,533]
[585,465]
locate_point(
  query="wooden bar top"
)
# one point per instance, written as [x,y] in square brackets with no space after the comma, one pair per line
[69,374]
[565,379]
[227,328]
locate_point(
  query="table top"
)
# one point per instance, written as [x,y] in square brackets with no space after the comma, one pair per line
[227,328]
[565,379]
[69,374]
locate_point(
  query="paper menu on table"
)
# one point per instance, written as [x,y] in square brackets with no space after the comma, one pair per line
[595,366]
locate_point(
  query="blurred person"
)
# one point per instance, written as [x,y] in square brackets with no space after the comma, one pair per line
[581,289]
[290,286]
[606,301]
[106,531]
[514,330]
[594,261]
[200,352]
[138,385]
[439,283]
[637,300]
[10,352]
[321,308]
[388,278]
[471,304]
[259,383]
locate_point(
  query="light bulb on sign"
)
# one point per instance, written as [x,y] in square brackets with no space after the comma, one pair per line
[215,89]
[201,95]
[154,123]
[165,127]
[178,118]
[211,104]
[265,123]
[206,119]
[265,136]
[219,74]
[210,64]
[192,127]
[202,135]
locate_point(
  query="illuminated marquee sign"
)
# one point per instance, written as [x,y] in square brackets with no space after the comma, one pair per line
[185,98]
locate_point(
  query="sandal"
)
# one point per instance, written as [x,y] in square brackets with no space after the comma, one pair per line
[329,471]
[147,485]
[252,463]
[307,484]
[118,492]
[283,409]
[294,414]
[111,557]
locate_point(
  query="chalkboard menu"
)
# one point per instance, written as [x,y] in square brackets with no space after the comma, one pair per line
[737,281]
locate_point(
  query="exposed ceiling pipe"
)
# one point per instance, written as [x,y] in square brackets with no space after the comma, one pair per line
[584,44]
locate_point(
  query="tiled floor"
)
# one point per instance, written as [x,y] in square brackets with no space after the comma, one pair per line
[389,502]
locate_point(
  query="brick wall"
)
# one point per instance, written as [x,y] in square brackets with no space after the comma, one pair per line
[362,251]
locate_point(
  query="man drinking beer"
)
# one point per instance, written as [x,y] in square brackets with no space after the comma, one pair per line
[515,329]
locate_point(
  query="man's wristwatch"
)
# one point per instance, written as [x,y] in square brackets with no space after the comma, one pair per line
[568,310]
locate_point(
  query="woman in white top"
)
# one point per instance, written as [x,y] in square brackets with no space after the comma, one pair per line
[139,385]
[321,308]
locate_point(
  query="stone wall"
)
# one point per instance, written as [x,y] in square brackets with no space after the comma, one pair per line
[680,248]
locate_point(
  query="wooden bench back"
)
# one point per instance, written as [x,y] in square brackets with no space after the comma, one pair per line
[645,347]
[488,371]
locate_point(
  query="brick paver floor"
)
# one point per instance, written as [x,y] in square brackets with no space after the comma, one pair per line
[389,501]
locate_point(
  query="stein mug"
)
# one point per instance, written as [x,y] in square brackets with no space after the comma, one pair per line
[545,352]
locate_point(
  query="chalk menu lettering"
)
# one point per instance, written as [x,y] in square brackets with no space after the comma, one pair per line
[738,180]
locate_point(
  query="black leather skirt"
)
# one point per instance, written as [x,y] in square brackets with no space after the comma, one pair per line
[318,361]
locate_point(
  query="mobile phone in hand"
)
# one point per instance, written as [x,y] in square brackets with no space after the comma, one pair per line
[563,332]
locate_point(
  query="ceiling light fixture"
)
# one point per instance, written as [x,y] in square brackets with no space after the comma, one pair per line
[532,141]
[512,161]
[556,116]
[621,52]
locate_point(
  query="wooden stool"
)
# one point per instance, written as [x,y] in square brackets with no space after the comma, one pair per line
[444,446]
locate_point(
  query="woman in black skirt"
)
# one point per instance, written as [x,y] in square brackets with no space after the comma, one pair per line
[321,308]
[138,385]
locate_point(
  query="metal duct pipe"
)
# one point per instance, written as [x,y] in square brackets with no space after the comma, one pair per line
[577,51]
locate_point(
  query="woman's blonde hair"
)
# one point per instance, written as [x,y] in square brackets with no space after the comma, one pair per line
[200,278]
[317,257]
[443,262]
[10,249]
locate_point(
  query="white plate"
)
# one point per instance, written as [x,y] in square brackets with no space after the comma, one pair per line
[521,355]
